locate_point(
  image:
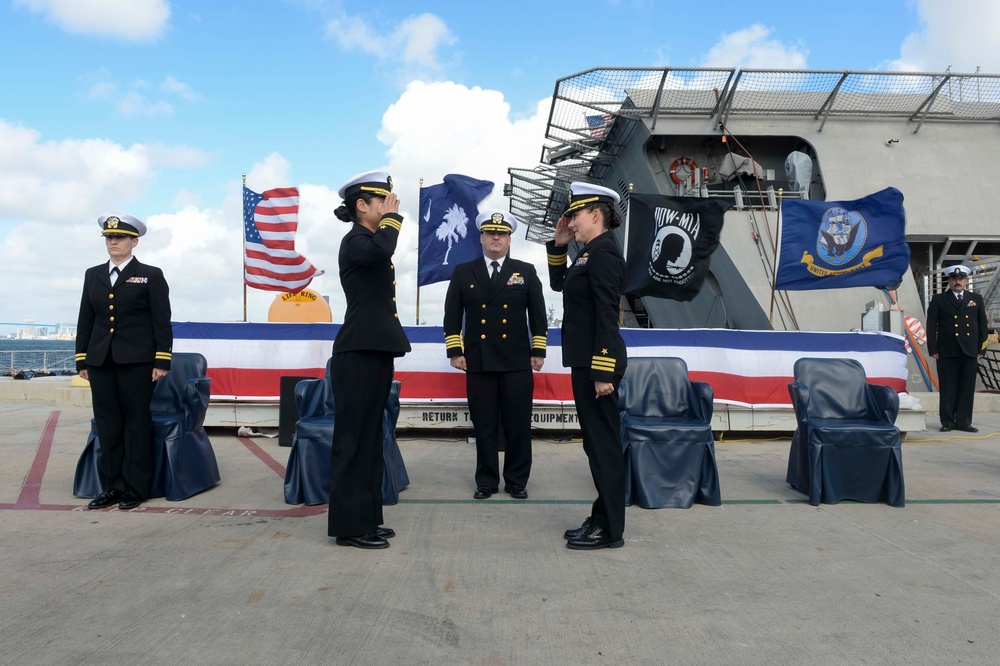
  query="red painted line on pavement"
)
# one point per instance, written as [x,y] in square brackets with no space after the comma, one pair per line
[32,485]
[28,499]
[263,455]
[302,511]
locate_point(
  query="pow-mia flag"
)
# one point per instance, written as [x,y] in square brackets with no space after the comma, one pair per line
[670,241]
[836,244]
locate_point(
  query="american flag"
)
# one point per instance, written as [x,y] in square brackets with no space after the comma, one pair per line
[599,125]
[270,221]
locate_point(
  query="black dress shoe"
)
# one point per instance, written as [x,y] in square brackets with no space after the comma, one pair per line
[385,532]
[945,428]
[596,538]
[579,531]
[130,500]
[105,499]
[516,491]
[483,492]
[967,428]
[366,541]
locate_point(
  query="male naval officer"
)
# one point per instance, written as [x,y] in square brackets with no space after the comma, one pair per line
[956,337]
[501,301]
[123,345]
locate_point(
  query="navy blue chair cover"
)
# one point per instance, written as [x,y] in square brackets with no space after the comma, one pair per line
[307,475]
[845,445]
[184,462]
[667,436]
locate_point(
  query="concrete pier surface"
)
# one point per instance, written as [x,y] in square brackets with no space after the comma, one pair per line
[236,576]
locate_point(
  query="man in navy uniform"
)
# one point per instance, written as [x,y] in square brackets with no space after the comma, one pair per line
[501,301]
[369,341]
[956,337]
[123,345]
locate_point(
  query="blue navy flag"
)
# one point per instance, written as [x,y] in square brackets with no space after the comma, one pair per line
[838,244]
[670,244]
[447,225]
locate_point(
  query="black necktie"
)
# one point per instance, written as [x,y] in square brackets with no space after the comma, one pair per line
[114,274]
[496,271]
[959,294]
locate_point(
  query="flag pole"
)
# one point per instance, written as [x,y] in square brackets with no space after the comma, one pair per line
[244,258]
[628,214]
[420,187]
[774,275]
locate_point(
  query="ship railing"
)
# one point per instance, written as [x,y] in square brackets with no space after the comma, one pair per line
[989,370]
[61,361]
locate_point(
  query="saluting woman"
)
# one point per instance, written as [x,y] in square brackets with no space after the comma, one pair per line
[369,340]
[594,350]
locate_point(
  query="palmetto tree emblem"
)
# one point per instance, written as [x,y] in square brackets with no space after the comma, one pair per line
[454,227]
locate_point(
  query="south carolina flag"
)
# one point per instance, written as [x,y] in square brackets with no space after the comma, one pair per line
[447,225]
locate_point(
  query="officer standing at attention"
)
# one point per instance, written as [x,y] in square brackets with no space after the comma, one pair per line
[594,350]
[123,345]
[956,337]
[369,340]
[501,301]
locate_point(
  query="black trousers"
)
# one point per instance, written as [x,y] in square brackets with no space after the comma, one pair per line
[501,399]
[121,393]
[601,425]
[361,384]
[957,379]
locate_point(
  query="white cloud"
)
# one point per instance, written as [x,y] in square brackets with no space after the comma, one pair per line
[413,46]
[53,192]
[183,90]
[132,104]
[138,97]
[52,182]
[134,20]
[752,48]
[422,36]
[438,128]
[959,33]
[61,187]
[176,156]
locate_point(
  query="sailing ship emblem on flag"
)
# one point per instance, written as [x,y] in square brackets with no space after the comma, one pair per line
[842,234]
[840,244]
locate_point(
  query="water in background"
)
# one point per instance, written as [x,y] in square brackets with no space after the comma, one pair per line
[7,345]
[37,355]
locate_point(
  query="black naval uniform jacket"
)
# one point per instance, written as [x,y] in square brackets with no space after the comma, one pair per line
[505,323]
[368,277]
[956,328]
[592,288]
[127,323]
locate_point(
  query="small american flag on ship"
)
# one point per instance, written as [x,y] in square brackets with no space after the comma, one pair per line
[598,125]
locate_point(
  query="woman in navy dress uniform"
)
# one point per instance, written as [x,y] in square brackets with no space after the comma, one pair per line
[594,350]
[123,345]
[369,340]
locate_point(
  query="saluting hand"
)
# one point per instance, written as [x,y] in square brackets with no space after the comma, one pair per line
[563,233]
[389,205]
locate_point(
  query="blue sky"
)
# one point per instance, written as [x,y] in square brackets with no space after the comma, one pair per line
[155,107]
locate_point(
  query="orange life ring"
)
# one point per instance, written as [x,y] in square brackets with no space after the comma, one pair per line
[685,162]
